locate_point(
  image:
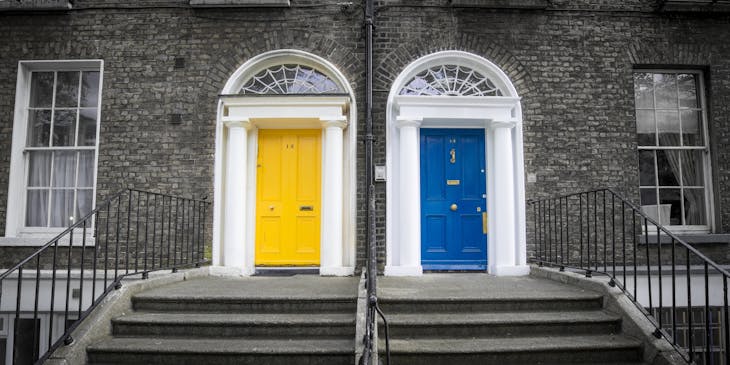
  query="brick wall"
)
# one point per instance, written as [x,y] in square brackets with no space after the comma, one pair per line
[572,64]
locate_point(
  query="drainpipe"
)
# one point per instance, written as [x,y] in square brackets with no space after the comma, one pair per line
[372,263]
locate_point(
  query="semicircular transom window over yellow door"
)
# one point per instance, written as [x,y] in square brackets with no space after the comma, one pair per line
[288,192]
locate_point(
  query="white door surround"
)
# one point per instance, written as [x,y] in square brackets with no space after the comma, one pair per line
[237,124]
[461,106]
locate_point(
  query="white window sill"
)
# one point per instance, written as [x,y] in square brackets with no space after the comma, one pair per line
[42,5]
[501,4]
[239,3]
[37,240]
[698,238]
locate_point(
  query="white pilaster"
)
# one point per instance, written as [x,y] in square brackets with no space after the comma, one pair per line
[331,259]
[505,234]
[409,200]
[234,251]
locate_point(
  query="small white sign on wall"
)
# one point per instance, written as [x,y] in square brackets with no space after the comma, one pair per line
[380,173]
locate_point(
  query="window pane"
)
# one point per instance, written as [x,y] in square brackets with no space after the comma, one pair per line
[668,127]
[87,127]
[692,168]
[67,89]
[647,173]
[670,202]
[62,207]
[39,166]
[64,168]
[692,128]
[687,84]
[668,167]
[648,196]
[64,127]
[36,208]
[83,203]
[41,90]
[649,206]
[26,335]
[39,128]
[666,90]
[694,206]
[646,127]
[90,88]
[644,90]
[86,169]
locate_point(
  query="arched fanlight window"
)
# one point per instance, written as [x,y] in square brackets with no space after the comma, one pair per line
[290,79]
[452,80]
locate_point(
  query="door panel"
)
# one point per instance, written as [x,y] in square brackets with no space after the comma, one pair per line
[270,235]
[288,197]
[453,198]
[435,238]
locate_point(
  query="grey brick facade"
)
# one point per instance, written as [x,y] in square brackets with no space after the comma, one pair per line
[571,63]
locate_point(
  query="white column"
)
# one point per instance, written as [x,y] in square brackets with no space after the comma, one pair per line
[234,197]
[409,194]
[331,260]
[505,235]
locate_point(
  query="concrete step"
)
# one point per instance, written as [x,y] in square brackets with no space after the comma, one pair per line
[500,324]
[264,325]
[193,303]
[517,350]
[588,301]
[144,350]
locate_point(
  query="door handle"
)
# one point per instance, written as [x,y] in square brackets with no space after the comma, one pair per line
[306,208]
[454,207]
[484,223]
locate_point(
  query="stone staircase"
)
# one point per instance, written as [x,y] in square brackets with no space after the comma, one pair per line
[224,321]
[474,319]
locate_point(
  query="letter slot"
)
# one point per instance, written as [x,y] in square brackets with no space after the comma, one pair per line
[306,208]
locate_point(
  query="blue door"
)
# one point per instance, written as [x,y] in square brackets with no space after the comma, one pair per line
[453,199]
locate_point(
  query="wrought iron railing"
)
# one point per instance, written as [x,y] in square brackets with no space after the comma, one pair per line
[133,232]
[600,232]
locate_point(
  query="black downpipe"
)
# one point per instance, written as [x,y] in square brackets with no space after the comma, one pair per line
[372,263]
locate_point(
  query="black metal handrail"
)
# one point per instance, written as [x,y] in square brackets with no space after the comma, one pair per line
[133,232]
[601,232]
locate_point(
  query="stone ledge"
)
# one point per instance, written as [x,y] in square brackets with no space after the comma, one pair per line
[501,4]
[239,3]
[41,240]
[720,239]
[34,5]
[696,6]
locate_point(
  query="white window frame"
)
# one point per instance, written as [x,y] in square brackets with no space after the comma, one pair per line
[17,195]
[706,153]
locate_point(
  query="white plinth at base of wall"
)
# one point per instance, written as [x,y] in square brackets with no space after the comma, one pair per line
[228,271]
[403,270]
[520,270]
[337,271]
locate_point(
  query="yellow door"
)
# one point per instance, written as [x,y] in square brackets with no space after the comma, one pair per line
[288,198]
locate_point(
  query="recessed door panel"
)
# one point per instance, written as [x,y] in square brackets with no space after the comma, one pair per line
[453,199]
[436,233]
[270,235]
[288,198]
[434,188]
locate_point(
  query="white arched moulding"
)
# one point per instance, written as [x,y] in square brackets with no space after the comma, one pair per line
[283,89]
[454,89]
